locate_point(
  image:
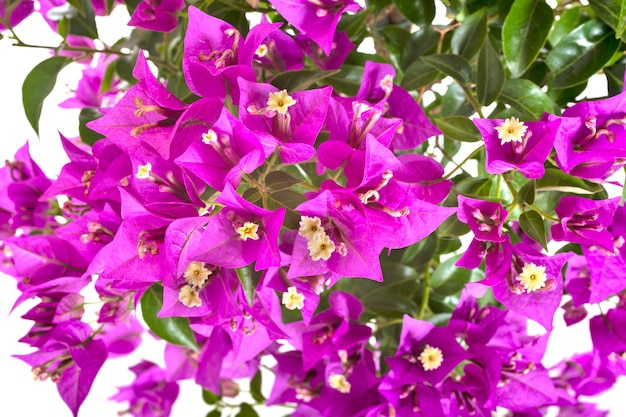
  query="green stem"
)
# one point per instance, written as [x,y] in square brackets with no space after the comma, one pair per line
[472,100]
[544,214]
[424,303]
[459,166]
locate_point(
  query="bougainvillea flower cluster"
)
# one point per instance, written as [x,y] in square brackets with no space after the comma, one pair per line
[275,200]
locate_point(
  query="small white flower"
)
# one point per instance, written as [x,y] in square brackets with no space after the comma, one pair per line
[511,130]
[292,299]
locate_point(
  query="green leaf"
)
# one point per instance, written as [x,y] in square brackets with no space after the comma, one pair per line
[417,75]
[38,84]
[209,397]
[532,224]
[249,279]
[422,42]
[452,227]
[246,410]
[556,180]
[214,413]
[524,32]
[468,38]
[255,387]
[395,39]
[300,80]
[526,97]
[420,12]
[450,279]
[458,128]
[422,252]
[615,77]
[280,180]
[87,135]
[527,193]
[354,24]
[581,54]
[84,22]
[455,66]
[348,80]
[568,21]
[613,13]
[490,74]
[455,102]
[288,199]
[175,330]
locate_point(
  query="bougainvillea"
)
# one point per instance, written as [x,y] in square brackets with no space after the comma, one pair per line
[286,187]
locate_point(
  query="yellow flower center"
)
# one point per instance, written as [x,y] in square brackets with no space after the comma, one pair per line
[261,51]
[292,299]
[533,277]
[248,231]
[143,171]
[321,247]
[511,130]
[310,227]
[189,297]
[431,358]
[339,382]
[280,101]
[196,274]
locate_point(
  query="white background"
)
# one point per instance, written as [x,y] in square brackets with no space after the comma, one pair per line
[19,394]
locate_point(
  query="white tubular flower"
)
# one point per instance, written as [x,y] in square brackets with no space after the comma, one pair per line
[292,299]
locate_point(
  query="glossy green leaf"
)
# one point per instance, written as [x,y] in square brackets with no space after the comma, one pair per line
[209,397]
[569,20]
[280,180]
[524,33]
[613,13]
[418,75]
[395,39]
[419,254]
[288,199]
[455,66]
[255,387]
[421,42]
[419,12]
[615,77]
[458,128]
[301,79]
[450,279]
[490,74]
[527,193]
[452,227]
[83,23]
[249,279]
[175,330]
[246,410]
[581,54]
[88,136]
[454,102]
[214,413]
[556,180]
[348,80]
[468,38]
[474,187]
[532,224]
[38,84]
[526,97]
